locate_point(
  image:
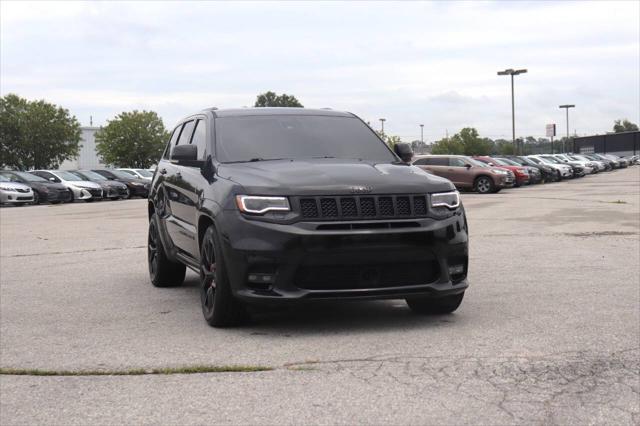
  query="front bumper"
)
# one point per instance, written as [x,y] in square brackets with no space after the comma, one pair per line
[12,197]
[272,264]
[139,190]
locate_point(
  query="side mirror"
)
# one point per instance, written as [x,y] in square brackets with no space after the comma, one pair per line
[404,151]
[186,155]
[468,166]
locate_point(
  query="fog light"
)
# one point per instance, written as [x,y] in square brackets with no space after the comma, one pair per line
[260,278]
[456,269]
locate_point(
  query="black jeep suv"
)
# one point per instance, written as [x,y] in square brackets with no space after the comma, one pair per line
[280,205]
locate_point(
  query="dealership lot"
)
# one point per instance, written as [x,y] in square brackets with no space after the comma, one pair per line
[549,330]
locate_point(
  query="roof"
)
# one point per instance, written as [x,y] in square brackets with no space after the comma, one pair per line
[244,112]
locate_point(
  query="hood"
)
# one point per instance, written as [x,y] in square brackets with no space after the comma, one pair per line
[511,168]
[84,184]
[133,180]
[48,186]
[14,185]
[331,177]
[111,184]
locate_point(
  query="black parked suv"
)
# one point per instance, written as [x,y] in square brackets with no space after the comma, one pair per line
[279,205]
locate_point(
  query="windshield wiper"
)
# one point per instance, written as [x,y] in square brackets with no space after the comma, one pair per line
[256,159]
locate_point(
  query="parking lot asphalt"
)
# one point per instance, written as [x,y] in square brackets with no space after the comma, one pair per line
[549,331]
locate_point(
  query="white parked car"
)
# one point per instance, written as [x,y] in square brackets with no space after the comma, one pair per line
[587,166]
[14,193]
[81,189]
[564,170]
[139,173]
[601,165]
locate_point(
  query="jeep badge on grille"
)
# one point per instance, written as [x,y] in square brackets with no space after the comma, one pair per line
[360,189]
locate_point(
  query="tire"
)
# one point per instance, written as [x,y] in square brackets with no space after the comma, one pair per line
[36,198]
[162,271]
[89,200]
[19,204]
[484,185]
[219,307]
[435,306]
[558,175]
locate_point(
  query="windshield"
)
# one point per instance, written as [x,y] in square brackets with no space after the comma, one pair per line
[508,162]
[551,160]
[144,173]
[501,162]
[131,173]
[122,175]
[90,175]
[29,177]
[476,163]
[4,179]
[68,176]
[296,137]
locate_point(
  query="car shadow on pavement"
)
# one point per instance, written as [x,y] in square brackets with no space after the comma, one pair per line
[339,316]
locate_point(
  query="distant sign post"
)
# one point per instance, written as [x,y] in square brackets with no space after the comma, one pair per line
[551,132]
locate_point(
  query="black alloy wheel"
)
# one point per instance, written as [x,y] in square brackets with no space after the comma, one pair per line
[162,271]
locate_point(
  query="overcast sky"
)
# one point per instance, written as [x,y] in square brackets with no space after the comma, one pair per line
[412,63]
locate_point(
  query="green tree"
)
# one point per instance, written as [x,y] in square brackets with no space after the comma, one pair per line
[465,142]
[271,99]
[388,139]
[36,134]
[504,147]
[624,126]
[132,139]
[448,146]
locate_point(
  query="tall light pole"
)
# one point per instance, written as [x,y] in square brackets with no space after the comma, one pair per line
[566,107]
[422,133]
[382,120]
[513,72]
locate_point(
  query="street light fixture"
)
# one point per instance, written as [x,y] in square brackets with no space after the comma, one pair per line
[382,120]
[512,72]
[566,107]
[422,133]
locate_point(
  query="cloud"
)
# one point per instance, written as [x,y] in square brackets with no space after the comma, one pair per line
[412,63]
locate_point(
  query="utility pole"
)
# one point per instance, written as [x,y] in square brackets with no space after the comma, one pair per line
[382,120]
[422,133]
[566,107]
[512,72]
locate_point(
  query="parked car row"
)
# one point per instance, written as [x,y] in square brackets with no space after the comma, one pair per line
[63,186]
[486,174]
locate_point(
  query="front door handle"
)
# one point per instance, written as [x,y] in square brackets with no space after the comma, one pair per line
[163,171]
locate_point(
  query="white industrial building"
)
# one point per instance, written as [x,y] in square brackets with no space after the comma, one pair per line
[87,157]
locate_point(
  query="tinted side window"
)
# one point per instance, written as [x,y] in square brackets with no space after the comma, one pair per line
[456,162]
[437,161]
[200,138]
[421,162]
[185,136]
[172,142]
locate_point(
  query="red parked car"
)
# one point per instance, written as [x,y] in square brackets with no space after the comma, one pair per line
[522,175]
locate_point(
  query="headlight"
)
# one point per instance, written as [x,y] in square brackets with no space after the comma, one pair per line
[446,199]
[137,184]
[6,188]
[500,172]
[260,205]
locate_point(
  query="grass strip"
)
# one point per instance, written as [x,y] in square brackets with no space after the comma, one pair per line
[197,369]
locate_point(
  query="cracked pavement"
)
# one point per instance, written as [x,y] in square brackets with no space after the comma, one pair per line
[549,331]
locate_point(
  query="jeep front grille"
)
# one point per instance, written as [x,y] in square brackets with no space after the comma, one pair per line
[363,207]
